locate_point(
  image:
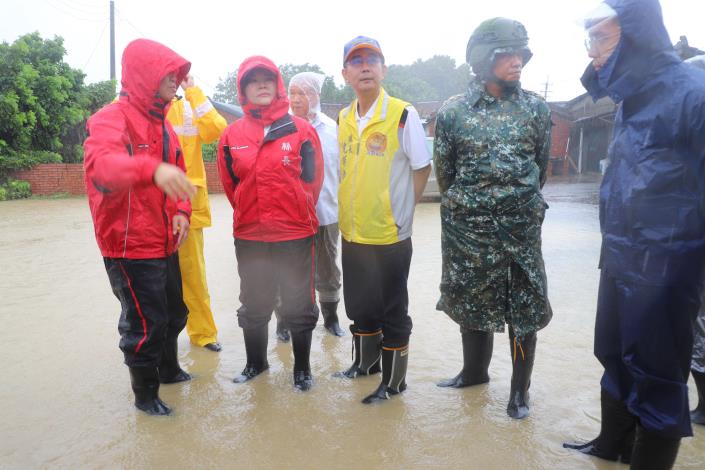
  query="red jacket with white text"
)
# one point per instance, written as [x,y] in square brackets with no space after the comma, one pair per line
[272,180]
[126,142]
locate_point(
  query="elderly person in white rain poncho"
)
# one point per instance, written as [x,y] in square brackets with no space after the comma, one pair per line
[305,101]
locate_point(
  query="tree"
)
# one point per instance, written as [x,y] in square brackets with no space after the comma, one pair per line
[434,79]
[226,89]
[42,103]
[92,97]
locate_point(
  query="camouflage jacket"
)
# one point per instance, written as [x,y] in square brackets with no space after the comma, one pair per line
[491,154]
[490,157]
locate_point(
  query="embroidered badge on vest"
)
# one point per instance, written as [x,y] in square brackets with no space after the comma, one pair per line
[376,144]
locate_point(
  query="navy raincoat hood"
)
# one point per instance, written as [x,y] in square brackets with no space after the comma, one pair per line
[652,199]
[645,49]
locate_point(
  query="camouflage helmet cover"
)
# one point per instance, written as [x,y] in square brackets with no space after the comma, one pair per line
[493,34]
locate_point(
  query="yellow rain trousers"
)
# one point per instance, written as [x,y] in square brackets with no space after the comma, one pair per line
[195,121]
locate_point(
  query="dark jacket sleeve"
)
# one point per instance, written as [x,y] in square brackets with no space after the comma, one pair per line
[311,161]
[225,168]
[444,150]
[543,143]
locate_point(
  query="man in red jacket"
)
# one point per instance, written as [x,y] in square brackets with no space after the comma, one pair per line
[271,166]
[139,199]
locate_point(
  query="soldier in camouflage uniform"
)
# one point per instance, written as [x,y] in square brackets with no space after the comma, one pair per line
[490,154]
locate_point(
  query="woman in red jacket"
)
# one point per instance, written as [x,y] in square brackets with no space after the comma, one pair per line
[271,166]
[139,200]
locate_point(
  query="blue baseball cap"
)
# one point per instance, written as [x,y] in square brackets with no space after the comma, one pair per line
[361,42]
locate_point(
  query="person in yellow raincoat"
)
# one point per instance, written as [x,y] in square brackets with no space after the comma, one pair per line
[196,121]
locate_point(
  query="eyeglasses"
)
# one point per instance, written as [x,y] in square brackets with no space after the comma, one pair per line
[599,41]
[357,60]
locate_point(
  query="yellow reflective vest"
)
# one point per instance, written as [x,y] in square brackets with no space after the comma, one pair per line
[196,122]
[376,193]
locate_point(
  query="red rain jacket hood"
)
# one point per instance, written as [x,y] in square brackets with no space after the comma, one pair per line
[144,64]
[127,141]
[278,107]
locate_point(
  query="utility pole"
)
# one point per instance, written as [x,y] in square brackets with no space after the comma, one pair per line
[545,90]
[112,40]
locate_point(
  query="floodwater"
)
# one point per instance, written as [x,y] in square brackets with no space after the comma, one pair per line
[65,399]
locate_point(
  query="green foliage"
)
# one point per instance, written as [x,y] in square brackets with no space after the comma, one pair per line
[15,189]
[43,101]
[209,151]
[289,70]
[435,79]
[18,189]
[226,90]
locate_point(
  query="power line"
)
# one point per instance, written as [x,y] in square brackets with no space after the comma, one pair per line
[546,92]
[124,19]
[96,46]
[80,9]
[62,9]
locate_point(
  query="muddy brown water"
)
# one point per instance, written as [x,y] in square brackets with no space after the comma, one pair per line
[65,400]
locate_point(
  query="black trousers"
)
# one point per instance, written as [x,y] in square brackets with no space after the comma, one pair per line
[375,291]
[270,268]
[149,291]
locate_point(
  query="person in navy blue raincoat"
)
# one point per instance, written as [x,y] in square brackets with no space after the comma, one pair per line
[652,217]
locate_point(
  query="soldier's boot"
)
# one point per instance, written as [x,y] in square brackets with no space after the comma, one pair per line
[301,344]
[394,362]
[256,349]
[617,429]
[523,353]
[145,385]
[653,451]
[697,416]
[477,353]
[169,369]
[329,310]
[367,354]
[282,331]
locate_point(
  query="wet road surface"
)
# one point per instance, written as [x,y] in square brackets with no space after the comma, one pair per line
[65,399]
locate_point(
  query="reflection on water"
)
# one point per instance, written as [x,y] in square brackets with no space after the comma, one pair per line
[65,398]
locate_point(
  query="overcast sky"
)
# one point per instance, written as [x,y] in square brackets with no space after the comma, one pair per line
[217,35]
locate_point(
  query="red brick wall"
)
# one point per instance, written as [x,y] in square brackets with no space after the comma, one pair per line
[559,135]
[214,185]
[52,178]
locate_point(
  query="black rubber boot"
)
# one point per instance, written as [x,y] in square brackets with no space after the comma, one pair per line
[394,362]
[329,311]
[301,344]
[256,349]
[653,451]
[145,385]
[215,346]
[367,352]
[169,369]
[697,416]
[282,332]
[523,353]
[477,354]
[617,429]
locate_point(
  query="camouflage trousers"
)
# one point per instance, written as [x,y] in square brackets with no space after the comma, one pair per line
[493,271]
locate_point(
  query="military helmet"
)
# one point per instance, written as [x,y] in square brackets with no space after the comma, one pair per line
[493,34]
